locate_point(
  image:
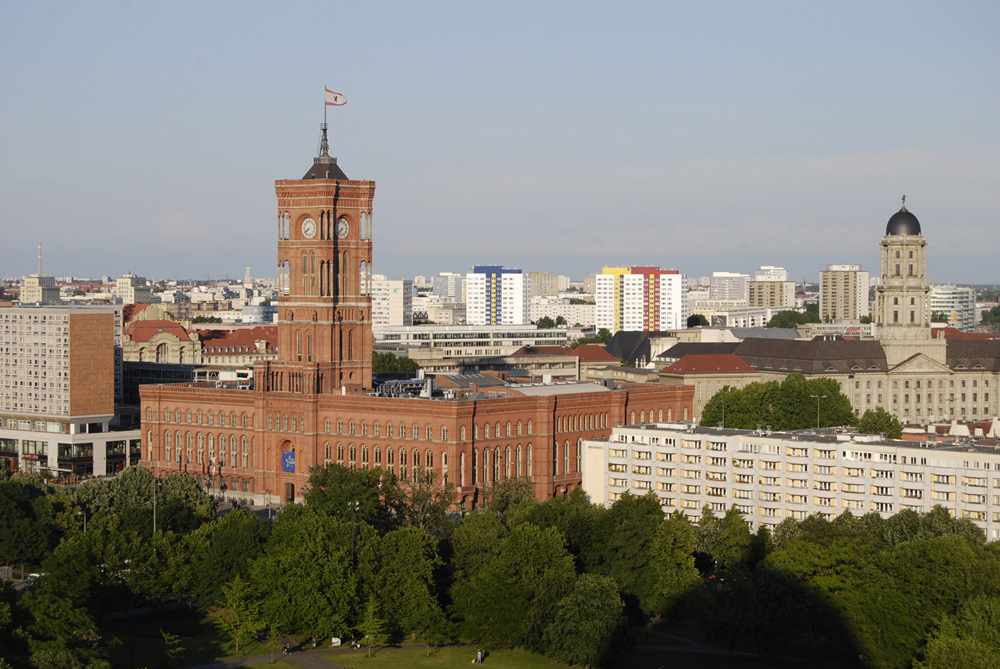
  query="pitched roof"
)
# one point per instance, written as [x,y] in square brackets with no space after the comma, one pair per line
[632,345]
[967,354]
[586,352]
[681,349]
[821,355]
[709,364]
[143,331]
[244,340]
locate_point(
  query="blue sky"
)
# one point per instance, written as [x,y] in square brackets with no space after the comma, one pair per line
[559,136]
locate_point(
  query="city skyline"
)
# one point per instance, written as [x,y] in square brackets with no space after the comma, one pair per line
[564,139]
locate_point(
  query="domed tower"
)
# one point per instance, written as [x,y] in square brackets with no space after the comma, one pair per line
[324,281]
[903,294]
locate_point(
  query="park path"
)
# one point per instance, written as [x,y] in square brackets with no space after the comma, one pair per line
[313,658]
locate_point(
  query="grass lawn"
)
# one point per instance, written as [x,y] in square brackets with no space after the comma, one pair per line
[461,656]
[142,643]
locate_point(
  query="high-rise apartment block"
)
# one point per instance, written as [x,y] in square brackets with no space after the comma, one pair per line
[647,299]
[61,376]
[546,284]
[729,286]
[957,304]
[448,285]
[843,293]
[495,295]
[771,289]
[392,302]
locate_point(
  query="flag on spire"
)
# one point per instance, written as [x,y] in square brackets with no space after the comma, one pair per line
[334,99]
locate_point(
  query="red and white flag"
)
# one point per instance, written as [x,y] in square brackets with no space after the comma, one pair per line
[334,99]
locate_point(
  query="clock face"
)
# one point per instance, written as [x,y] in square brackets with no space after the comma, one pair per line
[308,228]
[343,228]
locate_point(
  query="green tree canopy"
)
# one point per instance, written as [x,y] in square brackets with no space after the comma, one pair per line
[545,323]
[790,405]
[367,495]
[588,627]
[390,363]
[880,421]
[696,321]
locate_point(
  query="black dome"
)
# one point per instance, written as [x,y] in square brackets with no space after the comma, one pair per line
[903,223]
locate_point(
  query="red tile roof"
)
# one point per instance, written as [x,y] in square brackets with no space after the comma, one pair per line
[143,331]
[222,342]
[586,352]
[955,333]
[710,363]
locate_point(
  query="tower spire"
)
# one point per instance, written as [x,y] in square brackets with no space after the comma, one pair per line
[903,208]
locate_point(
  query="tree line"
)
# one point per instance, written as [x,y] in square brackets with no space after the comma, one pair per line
[796,403]
[371,558]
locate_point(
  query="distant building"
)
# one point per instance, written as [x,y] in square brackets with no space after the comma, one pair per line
[729,286]
[132,289]
[392,302]
[449,285]
[957,303]
[771,273]
[773,294]
[495,295]
[545,284]
[843,293]
[647,299]
[39,289]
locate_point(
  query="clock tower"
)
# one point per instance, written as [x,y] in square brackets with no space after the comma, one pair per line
[324,282]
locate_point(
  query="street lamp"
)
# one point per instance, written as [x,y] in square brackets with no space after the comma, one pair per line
[353,506]
[817,398]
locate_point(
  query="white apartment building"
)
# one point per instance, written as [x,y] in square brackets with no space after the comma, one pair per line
[60,377]
[771,273]
[448,285]
[640,299]
[729,286]
[843,293]
[554,307]
[392,302]
[771,476]
[957,303]
[495,295]
[467,340]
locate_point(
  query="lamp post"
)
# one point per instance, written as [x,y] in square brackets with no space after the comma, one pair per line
[817,398]
[353,506]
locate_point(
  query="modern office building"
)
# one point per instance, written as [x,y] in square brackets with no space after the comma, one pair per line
[39,289]
[843,293]
[649,299]
[771,476]
[496,295]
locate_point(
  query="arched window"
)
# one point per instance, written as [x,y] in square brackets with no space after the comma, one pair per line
[519,469]
[498,429]
[326,453]
[326,426]
[429,459]
[364,428]
[246,453]
[244,420]
[555,458]
[566,458]
[416,463]
[529,428]
[430,433]
[169,447]
[189,417]
[486,431]
[496,464]
[530,463]
[444,434]
[378,456]
[402,431]
[364,456]
[350,345]
[201,448]
[149,414]
[352,454]
[340,453]
[350,428]
[485,465]
[388,430]
[670,415]
[462,433]
[506,462]
[579,455]
[233,452]
[642,416]
[632,420]
[378,429]
[340,427]
[232,419]
[461,467]
[508,428]
[519,428]
[416,431]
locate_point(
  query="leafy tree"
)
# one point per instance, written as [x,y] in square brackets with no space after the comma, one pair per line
[865,320]
[940,317]
[506,494]
[696,321]
[404,585]
[305,576]
[788,319]
[966,640]
[27,524]
[229,545]
[588,627]
[672,562]
[560,321]
[475,542]
[356,495]
[790,405]
[545,323]
[372,628]
[726,539]
[240,619]
[516,594]
[426,506]
[390,363]
[880,421]
[174,650]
